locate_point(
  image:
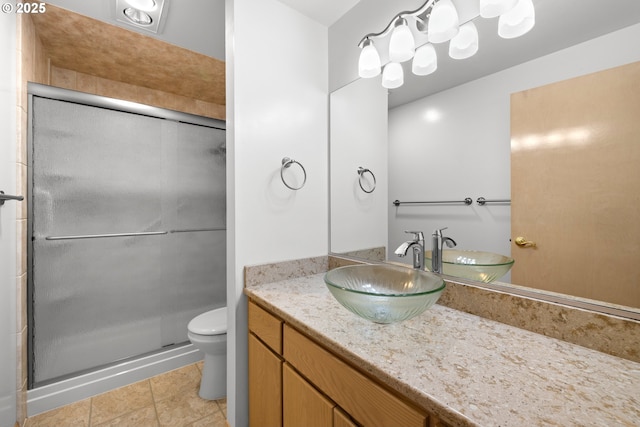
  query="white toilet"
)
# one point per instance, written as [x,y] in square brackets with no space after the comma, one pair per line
[208,333]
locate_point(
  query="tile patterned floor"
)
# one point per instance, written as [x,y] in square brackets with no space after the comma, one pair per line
[167,400]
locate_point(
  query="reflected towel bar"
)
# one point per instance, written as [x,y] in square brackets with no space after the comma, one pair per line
[482,201]
[467,201]
[4,197]
[99,236]
[195,230]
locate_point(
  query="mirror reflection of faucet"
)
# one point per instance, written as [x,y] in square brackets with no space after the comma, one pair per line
[438,241]
[417,244]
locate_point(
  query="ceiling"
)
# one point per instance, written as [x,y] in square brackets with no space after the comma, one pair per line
[198,25]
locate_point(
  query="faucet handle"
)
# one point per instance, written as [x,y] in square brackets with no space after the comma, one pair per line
[417,235]
[438,231]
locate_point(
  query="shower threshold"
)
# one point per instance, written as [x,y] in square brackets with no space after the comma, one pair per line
[68,390]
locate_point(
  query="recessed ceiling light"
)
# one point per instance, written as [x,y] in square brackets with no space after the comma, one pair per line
[146,15]
[137,16]
[146,5]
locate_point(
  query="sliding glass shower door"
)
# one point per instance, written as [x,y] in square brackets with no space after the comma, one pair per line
[127,230]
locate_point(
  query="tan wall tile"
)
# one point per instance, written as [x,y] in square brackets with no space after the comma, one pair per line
[86,83]
[21,189]
[61,77]
[21,258]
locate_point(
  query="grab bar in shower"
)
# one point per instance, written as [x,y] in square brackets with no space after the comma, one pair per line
[100,236]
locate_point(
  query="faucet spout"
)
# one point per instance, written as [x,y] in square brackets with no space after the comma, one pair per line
[417,244]
[438,241]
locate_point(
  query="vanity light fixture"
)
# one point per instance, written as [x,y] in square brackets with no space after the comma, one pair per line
[393,75]
[412,35]
[141,14]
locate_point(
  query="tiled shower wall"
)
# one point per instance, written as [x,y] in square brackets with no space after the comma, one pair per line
[34,66]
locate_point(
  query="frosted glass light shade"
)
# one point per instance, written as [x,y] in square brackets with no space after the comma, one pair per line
[443,22]
[493,8]
[425,61]
[369,63]
[401,45]
[518,21]
[465,43]
[392,76]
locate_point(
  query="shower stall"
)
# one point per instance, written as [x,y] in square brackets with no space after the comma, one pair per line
[126,230]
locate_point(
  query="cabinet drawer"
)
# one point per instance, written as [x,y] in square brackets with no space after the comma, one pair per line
[367,402]
[266,327]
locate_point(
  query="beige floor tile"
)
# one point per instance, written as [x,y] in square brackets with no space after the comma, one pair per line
[166,385]
[145,417]
[184,408]
[73,415]
[223,406]
[116,403]
[215,420]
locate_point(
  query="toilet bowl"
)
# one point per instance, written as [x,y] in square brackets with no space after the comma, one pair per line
[208,333]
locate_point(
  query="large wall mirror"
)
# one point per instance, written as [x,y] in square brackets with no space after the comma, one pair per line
[441,140]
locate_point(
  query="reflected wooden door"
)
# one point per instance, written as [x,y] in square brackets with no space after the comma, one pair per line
[575,186]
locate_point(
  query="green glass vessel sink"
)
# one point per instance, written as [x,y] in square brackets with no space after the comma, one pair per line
[474,265]
[384,293]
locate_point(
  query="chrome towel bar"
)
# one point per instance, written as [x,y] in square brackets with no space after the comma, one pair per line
[467,201]
[4,197]
[482,201]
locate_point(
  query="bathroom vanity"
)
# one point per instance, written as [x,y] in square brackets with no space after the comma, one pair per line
[311,359]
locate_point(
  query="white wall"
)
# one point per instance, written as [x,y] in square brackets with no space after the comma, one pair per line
[8,298]
[358,139]
[277,106]
[456,143]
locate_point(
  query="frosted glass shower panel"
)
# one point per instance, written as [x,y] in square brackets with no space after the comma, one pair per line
[101,169]
[96,301]
[201,177]
[128,233]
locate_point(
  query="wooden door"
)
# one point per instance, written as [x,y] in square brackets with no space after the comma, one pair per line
[575,186]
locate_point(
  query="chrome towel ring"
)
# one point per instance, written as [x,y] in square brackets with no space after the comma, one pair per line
[361,172]
[286,162]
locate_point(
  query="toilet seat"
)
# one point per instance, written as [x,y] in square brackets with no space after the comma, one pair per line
[212,322]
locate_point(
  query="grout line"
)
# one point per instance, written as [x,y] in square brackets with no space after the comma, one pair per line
[153,400]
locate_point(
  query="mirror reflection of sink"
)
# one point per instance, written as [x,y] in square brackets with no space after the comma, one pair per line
[474,265]
[384,293]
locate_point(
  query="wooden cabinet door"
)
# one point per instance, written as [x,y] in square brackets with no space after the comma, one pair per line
[303,405]
[265,386]
[341,419]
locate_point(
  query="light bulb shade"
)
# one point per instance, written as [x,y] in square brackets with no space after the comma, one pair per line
[443,22]
[465,43]
[392,76]
[369,62]
[493,8]
[518,21]
[425,61]
[402,44]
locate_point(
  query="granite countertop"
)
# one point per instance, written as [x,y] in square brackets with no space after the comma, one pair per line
[468,370]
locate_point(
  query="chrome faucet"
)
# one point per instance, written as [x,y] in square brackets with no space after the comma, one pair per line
[418,249]
[436,251]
